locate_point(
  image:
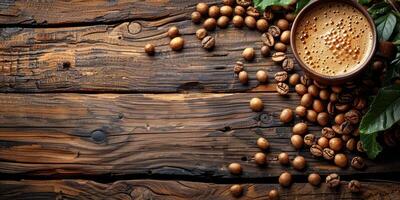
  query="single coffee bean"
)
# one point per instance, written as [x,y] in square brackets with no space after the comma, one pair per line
[359,103]
[345,98]
[330,108]
[351,144]
[346,127]
[340,160]
[262,143]
[238,21]
[286,115]
[294,79]
[328,154]
[335,144]
[239,10]
[201,33]
[300,89]
[202,8]
[337,129]
[268,39]
[265,51]
[313,90]
[150,49]
[311,116]
[299,163]
[378,66]
[309,139]
[213,11]
[300,128]
[290,17]
[342,107]
[262,25]
[285,37]
[273,195]
[323,118]
[283,24]
[177,43]
[283,158]
[360,146]
[251,11]
[236,190]
[287,64]
[332,180]
[238,67]
[262,76]
[229,2]
[226,11]
[250,22]
[306,100]
[353,116]
[317,105]
[260,158]
[305,80]
[358,163]
[319,85]
[210,24]
[354,186]
[248,54]
[282,88]
[256,104]
[223,22]
[244,3]
[328,132]
[323,142]
[333,97]
[196,17]
[301,111]
[279,46]
[346,138]
[268,14]
[243,77]
[235,168]
[208,42]
[324,94]
[297,141]
[316,150]
[281,76]
[285,179]
[314,179]
[274,30]
[356,132]
[339,119]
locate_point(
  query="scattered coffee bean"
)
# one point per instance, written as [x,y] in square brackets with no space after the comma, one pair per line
[301,111]
[345,98]
[262,76]
[268,14]
[290,17]
[238,67]
[201,33]
[213,11]
[285,37]
[337,129]
[243,77]
[239,10]
[262,25]
[238,21]
[248,54]
[282,88]
[354,186]
[339,119]
[340,160]
[223,22]
[328,154]
[346,127]
[323,142]
[273,195]
[360,146]
[150,49]
[282,24]
[358,163]
[300,89]
[287,64]
[305,80]
[226,11]
[323,118]
[331,108]
[236,190]
[208,42]
[177,43]
[324,94]
[286,115]
[342,107]
[251,11]
[210,24]
[281,76]
[202,8]
[256,104]
[353,116]
[332,180]
[299,163]
[262,143]
[244,3]
[283,158]
[311,116]
[228,2]
[250,22]
[328,132]
[316,150]
[351,144]
[313,90]
[235,168]
[268,39]
[294,79]
[336,89]
[285,179]
[300,128]
[260,158]
[378,66]
[359,103]
[297,141]
[318,106]
[356,132]
[274,30]
[279,46]
[306,100]
[345,138]
[333,97]
[309,139]
[196,17]
[265,51]
[335,144]
[314,179]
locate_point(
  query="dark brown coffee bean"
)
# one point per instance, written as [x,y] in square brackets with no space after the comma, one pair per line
[149,49]
[328,154]
[229,2]
[328,132]
[346,138]
[319,85]
[359,103]
[337,129]
[346,127]
[238,67]
[309,139]
[351,144]
[208,42]
[278,57]
[282,88]
[333,97]
[353,116]
[281,76]
[316,150]
[356,132]
[332,180]
[268,39]
[274,30]
[265,51]
[324,94]
[251,11]
[354,186]
[244,3]
[305,80]
[360,146]
[358,163]
[341,107]
[345,98]
[268,14]
[330,108]
[288,65]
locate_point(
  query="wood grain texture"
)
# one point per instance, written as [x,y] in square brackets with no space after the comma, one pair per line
[151,189]
[193,135]
[110,58]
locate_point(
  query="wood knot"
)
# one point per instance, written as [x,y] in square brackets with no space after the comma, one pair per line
[265,118]
[98,136]
[134,28]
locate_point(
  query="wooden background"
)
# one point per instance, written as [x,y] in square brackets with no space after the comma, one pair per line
[86,114]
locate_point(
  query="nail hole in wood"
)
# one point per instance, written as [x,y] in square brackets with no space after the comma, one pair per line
[244,158]
[66,65]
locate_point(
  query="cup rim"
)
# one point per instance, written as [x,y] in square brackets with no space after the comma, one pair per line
[342,77]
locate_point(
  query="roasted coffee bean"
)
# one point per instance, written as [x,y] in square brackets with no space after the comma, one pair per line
[345,138]
[316,150]
[250,22]
[262,143]
[328,132]
[238,21]
[354,186]
[282,88]
[360,146]
[256,104]
[278,57]
[226,11]
[319,85]
[177,43]
[330,108]
[323,142]
[301,111]
[202,8]
[265,51]
[328,154]
[210,24]
[306,100]
[288,64]
[311,116]
[235,168]
[313,90]
[238,67]
[324,94]
[285,37]
[285,179]
[300,89]
[359,103]
[332,180]
[274,30]
[196,17]
[281,76]
[299,163]
[333,97]
[262,25]
[282,24]
[323,118]
[262,76]
[339,119]
[346,127]
[279,46]
[208,42]
[340,160]
[268,14]
[353,116]
[345,98]
[337,129]
[283,158]
[248,54]
[309,139]
[201,33]
[260,158]
[335,144]
[341,107]
[356,132]
[314,179]
[223,22]
[239,10]
[213,11]
[273,195]
[305,80]
[297,141]
[229,2]
[236,190]
[336,89]
[358,163]
[300,128]
[286,115]
[251,11]
[149,49]
[243,77]
[290,17]
[317,105]
[351,144]
[268,39]
[244,3]
[294,79]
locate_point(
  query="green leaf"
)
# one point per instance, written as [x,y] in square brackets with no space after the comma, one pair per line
[379,9]
[300,5]
[363,2]
[262,4]
[385,26]
[382,114]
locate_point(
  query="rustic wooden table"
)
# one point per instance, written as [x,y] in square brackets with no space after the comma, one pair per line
[85,114]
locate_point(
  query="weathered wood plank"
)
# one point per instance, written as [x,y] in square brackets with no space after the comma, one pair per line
[110,58]
[95,11]
[194,135]
[152,189]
